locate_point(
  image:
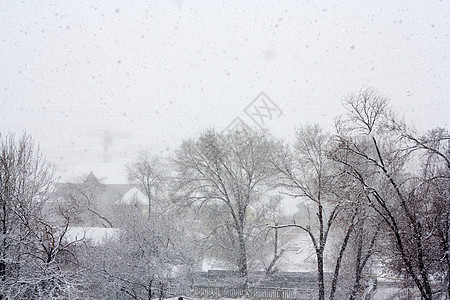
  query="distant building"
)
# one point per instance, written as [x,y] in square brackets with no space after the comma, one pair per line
[98,202]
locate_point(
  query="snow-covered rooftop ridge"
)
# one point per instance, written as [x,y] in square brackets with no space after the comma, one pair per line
[134,195]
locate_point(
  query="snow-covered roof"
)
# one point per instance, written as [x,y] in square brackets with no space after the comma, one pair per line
[134,195]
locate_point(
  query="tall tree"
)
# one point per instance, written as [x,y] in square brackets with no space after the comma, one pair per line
[227,172]
[307,173]
[34,254]
[431,194]
[383,160]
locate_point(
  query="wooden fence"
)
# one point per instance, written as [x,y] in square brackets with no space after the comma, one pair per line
[259,293]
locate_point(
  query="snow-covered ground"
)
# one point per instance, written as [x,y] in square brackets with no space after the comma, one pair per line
[392,292]
[299,254]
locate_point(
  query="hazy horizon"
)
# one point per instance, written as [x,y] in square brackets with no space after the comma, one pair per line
[96,82]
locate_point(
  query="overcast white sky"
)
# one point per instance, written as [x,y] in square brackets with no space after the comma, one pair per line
[128,75]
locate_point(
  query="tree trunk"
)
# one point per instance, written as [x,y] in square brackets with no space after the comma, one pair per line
[276,255]
[242,259]
[4,232]
[358,269]
[161,292]
[150,289]
[339,259]
[320,278]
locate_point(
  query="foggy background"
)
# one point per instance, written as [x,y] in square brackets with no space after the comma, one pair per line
[96,81]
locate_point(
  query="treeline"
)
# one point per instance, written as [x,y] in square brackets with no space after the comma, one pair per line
[376,194]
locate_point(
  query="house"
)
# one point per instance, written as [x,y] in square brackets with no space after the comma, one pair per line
[99,203]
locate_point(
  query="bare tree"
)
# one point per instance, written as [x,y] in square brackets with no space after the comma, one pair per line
[307,173]
[35,257]
[273,216]
[361,252]
[150,173]
[431,193]
[82,193]
[139,261]
[382,159]
[227,172]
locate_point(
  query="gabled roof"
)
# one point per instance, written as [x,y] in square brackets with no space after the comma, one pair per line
[106,194]
[111,193]
[134,195]
[91,178]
